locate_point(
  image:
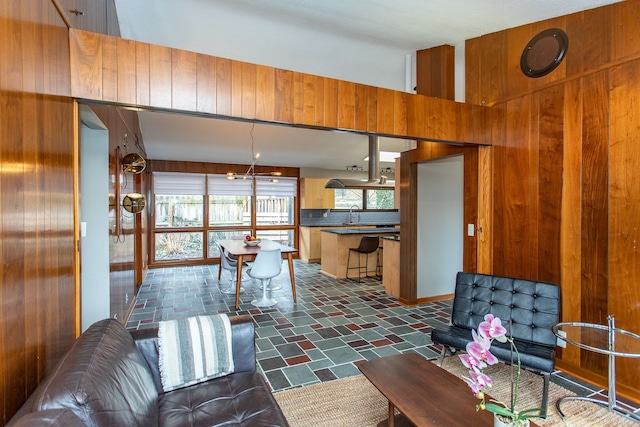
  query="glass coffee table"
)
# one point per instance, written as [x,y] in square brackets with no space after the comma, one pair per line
[604,339]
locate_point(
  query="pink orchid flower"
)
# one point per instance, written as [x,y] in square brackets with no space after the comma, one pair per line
[471,362]
[492,328]
[479,349]
[478,381]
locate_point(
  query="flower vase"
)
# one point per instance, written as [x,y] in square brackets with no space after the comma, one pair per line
[498,422]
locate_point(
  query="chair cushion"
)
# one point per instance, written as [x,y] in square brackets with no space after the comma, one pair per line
[240,399]
[103,379]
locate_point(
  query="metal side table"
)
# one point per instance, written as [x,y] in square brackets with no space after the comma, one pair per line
[604,339]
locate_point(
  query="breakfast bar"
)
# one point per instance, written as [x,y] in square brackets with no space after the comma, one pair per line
[336,244]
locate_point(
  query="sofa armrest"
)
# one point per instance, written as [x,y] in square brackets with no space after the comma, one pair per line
[242,338]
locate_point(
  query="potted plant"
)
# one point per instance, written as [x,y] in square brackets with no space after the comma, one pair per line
[478,357]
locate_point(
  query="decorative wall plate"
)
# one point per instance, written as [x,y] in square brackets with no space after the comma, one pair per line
[544,52]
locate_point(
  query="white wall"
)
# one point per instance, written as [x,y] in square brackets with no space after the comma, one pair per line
[94,213]
[440,225]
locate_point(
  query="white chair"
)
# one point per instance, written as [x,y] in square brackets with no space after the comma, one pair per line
[267,265]
[231,265]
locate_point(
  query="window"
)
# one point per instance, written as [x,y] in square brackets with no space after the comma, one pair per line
[178,200]
[192,211]
[229,201]
[275,201]
[346,198]
[364,199]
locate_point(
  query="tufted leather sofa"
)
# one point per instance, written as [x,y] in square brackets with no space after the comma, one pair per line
[110,377]
[532,307]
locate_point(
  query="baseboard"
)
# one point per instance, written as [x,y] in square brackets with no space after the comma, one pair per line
[425,300]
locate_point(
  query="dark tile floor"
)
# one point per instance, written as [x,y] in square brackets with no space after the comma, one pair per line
[334,325]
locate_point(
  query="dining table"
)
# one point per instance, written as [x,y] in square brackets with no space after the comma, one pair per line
[244,252]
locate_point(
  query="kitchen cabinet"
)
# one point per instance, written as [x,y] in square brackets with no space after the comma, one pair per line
[391,266]
[313,195]
[310,249]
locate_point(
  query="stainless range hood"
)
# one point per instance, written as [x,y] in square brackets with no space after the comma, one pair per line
[374,182]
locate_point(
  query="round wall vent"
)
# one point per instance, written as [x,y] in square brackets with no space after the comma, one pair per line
[544,52]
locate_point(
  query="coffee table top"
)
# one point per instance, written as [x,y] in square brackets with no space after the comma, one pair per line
[425,393]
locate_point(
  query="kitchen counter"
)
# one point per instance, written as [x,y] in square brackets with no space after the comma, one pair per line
[336,244]
[352,225]
[364,230]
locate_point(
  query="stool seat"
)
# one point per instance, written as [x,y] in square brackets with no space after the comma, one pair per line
[368,245]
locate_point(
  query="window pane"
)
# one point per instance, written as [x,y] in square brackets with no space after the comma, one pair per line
[274,210]
[345,198]
[174,246]
[229,210]
[379,199]
[284,237]
[214,236]
[179,211]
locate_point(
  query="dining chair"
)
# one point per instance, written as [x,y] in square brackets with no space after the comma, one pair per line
[266,266]
[231,265]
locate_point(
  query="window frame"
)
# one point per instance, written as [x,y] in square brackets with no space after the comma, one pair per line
[205,229]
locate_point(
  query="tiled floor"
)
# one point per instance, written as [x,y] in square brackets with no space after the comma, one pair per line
[334,325]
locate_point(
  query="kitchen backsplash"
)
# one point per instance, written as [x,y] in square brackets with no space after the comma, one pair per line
[329,217]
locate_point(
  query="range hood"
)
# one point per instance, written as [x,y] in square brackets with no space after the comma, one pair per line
[374,182]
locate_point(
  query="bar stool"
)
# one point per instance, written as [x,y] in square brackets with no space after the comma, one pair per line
[368,244]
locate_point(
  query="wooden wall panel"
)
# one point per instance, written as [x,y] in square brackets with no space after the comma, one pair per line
[589,40]
[38,315]
[223,87]
[571,214]
[248,90]
[595,162]
[142,74]
[435,72]
[184,81]
[159,76]
[283,110]
[346,105]
[550,148]
[624,29]
[624,207]
[512,238]
[265,93]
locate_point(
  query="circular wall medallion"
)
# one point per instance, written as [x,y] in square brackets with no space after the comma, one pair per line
[544,52]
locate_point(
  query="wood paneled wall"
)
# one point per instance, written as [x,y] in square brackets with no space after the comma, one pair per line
[38,299]
[125,72]
[565,177]
[435,72]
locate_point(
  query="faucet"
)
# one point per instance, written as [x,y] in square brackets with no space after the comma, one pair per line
[351,221]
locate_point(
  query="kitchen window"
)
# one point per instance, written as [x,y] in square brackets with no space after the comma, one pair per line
[363,199]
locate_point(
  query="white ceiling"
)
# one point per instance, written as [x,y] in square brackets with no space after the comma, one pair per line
[364,41]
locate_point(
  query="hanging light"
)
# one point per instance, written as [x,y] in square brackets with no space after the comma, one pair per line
[133,163]
[251,172]
[134,202]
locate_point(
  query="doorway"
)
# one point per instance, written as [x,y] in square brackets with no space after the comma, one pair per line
[440,225]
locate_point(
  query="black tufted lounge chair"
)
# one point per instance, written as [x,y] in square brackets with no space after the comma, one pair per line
[531,307]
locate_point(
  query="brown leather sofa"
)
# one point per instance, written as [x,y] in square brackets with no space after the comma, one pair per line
[110,377]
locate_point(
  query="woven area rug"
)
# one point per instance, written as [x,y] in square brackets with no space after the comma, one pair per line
[354,402]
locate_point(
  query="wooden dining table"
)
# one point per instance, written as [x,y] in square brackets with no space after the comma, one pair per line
[244,252]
